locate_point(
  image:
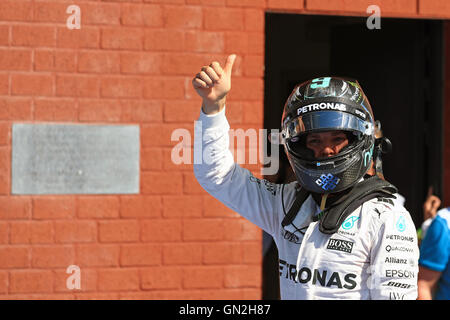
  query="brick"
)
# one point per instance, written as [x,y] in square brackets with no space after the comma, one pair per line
[54,207]
[434,7]
[252,252]
[248,89]
[204,41]
[4,35]
[95,255]
[99,110]
[15,59]
[216,3]
[254,66]
[77,86]
[3,282]
[52,256]
[183,17]
[4,233]
[191,185]
[140,207]
[4,84]
[254,20]
[84,38]
[35,35]
[151,159]
[191,110]
[223,19]
[286,4]
[215,208]
[242,276]
[103,62]
[203,229]
[5,182]
[15,208]
[141,63]
[182,254]
[256,43]
[185,63]
[164,1]
[100,13]
[138,255]
[118,231]
[5,134]
[50,12]
[14,10]
[50,60]
[24,232]
[15,109]
[246,3]
[122,38]
[161,183]
[253,112]
[118,280]
[163,40]
[170,88]
[159,135]
[161,230]
[75,231]
[98,207]
[237,42]
[14,257]
[386,6]
[55,110]
[5,158]
[147,15]
[182,206]
[141,111]
[32,84]
[222,253]
[121,87]
[203,277]
[161,278]
[31,281]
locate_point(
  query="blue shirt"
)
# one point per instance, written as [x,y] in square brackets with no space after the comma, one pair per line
[435,252]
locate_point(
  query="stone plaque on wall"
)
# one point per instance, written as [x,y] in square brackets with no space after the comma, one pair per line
[75,159]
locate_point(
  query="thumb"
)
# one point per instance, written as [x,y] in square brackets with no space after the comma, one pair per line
[229,64]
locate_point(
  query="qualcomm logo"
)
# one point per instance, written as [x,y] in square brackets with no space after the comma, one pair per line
[401,224]
[328,182]
[349,222]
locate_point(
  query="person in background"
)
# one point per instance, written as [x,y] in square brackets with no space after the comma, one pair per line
[434,265]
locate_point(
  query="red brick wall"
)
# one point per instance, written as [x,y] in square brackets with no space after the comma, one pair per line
[132,62]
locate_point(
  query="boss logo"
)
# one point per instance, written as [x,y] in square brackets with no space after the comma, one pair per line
[340,245]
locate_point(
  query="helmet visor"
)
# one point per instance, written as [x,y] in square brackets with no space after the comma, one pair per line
[326,121]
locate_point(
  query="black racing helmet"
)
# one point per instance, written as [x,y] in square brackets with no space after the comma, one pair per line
[325,104]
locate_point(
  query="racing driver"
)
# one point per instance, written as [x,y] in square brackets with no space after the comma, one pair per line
[338,233]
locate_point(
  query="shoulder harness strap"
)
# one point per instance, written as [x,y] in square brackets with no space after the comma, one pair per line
[300,197]
[374,187]
[332,217]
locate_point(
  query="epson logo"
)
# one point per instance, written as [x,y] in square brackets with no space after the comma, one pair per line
[407,274]
[340,245]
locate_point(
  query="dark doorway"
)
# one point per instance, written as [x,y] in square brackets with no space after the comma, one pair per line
[400,68]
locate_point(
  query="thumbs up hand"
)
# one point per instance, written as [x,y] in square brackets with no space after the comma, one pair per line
[213,83]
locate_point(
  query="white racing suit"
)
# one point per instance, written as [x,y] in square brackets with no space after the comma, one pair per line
[373,255]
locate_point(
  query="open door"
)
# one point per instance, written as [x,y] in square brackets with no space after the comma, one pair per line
[400,68]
